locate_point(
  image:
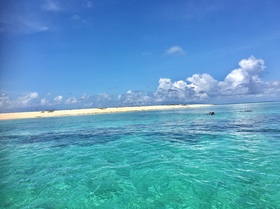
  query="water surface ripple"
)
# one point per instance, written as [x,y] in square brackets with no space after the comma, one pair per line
[156,159]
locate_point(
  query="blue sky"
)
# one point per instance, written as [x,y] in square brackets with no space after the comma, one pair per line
[81,53]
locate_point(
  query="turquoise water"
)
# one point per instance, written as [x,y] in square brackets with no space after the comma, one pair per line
[156,159]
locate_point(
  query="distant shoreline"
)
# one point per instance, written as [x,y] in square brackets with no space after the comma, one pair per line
[92,111]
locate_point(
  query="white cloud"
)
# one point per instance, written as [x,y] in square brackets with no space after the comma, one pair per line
[85,97]
[33,26]
[51,6]
[241,84]
[51,102]
[272,88]
[134,98]
[175,50]
[235,83]
[168,91]
[15,20]
[202,83]
[71,100]
[58,99]
[4,100]
[45,101]
[244,80]
[29,97]
[252,65]
[104,96]
[101,100]
[23,24]
[80,19]
[66,6]
[180,84]
[28,100]
[165,83]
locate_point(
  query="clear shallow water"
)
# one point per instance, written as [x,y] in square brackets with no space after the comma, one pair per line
[157,159]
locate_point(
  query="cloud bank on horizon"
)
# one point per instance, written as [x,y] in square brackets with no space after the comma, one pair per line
[61,54]
[241,84]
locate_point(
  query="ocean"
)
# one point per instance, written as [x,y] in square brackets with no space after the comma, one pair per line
[180,158]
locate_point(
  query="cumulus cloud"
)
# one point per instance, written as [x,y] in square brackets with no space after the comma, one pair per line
[134,98]
[58,98]
[165,84]
[28,100]
[51,102]
[29,97]
[45,101]
[71,100]
[241,84]
[272,88]
[204,85]
[175,50]
[252,65]
[245,80]
[82,101]
[169,91]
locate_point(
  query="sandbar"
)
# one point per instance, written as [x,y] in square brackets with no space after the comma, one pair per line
[76,112]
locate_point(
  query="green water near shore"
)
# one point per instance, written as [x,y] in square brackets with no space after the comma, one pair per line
[156,159]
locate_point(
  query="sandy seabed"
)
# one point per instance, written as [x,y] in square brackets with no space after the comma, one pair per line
[75,112]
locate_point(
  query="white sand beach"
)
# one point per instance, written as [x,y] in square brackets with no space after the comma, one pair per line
[75,112]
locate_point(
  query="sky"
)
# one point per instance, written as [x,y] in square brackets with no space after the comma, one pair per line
[63,54]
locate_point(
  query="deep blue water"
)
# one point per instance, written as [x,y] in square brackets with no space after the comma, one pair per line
[154,159]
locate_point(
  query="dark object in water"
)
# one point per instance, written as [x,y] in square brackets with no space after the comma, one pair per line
[211,113]
[246,111]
